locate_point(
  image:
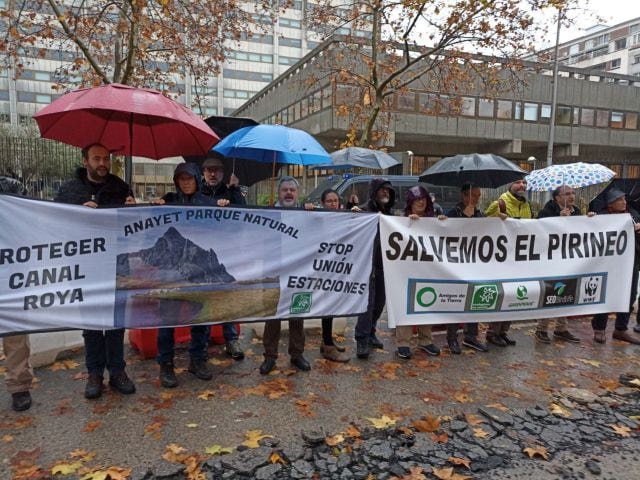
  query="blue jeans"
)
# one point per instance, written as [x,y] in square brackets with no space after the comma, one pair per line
[197,345]
[104,349]
[229,332]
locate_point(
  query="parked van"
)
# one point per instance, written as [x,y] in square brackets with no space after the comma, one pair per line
[348,184]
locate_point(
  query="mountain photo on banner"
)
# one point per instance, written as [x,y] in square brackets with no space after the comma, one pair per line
[193,270]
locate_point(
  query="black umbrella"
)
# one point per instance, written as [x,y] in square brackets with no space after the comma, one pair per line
[630,186]
[247,171]
[351,157]
[484,170]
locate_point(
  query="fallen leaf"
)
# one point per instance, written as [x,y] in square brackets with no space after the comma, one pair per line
[353,432]
[304,408]
[218,450]
[65,468]
[92,426]
[253,437]
[609,385]
[635,381]
[498,406]
[382,422]
[111,473]
[64,365]
[537,451]
[478,432]
[593,363]
[415,473]
[221,363]
[473,419]
[82,454]
[440,438]
[20,422]
[207,394]
[448,474]
[335,440]
[559,410]
[462,398]
[7,438]
[621,430]
[276,458]
[459,461]
[428,424]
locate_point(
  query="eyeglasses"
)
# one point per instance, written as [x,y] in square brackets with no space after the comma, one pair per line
[214,169]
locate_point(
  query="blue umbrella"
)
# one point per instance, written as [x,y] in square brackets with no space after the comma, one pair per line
[273,144]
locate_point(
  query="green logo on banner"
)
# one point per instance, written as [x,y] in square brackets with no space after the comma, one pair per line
[521,292]
[301,303]
[485,297]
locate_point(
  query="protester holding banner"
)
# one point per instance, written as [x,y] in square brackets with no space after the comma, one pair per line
[186,178]
[562,204]
[19,375]
[330,199]
[381,200]
[223,195]
[467,208]
[617,203]
[288,190]
[94,186]
[418,204]
[511,204]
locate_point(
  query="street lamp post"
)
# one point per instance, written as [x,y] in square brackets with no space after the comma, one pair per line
[554,94]
[533,161]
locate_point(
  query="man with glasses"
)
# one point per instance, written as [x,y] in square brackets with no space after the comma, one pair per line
[562,204]
[223,195]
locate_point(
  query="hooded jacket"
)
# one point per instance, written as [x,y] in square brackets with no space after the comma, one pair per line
[112,192]
[223,192]
[179,198]
[373,206]
[516,207]
[411,196]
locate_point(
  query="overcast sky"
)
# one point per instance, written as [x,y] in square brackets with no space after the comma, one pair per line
[611,12]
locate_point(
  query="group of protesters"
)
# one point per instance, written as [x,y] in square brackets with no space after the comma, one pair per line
[94,186]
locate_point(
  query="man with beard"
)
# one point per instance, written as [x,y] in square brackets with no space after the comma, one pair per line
[381,199]
[287,197]
[94,186]
[511,204]
[223,195]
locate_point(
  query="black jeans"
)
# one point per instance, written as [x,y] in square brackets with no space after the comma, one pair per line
[104,349]
[470,330]
[366,324]
[197,345]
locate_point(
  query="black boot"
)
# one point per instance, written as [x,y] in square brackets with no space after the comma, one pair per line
[168,375]
[362,347]
[94,386]
[200,369]
[122,383]
[21,401]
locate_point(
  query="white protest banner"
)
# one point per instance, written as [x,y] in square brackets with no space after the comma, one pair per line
[76,267]
[486,269]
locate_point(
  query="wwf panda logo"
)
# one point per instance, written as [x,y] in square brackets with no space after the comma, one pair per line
[591,286]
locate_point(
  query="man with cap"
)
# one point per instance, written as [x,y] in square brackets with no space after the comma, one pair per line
[511,204]
[223,195]
[19,375]
[381,199]
[562,204]
[617,203]
[93,186]
[187,181]
[288,190]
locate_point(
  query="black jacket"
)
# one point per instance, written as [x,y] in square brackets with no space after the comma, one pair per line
[552,209]
[113,192]
[179,198]
[373,206]
[458,212]
[223,192]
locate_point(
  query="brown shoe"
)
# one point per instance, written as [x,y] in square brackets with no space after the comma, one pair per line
[599,336]
[625,336]
[330,352]
[340,348]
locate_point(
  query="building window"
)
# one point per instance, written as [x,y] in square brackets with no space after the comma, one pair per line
[428,103]
[290,22]
[631,121]
[602,118]
[586,117]
[42,76]
[468,106]
[635,40]
[517,111]
[4,95]
[282,60]
[531,112]
[289,42]
[576,115]
[617,119]
[406,101]
[615,64]
[574,49]
[505,109]
[621,43]
[563,116]
[42,98]
[634,28]
[545,113]
[485,107]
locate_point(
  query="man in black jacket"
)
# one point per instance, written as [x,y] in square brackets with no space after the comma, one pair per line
[223,195]
[381,199]
[562,204]
[94,186]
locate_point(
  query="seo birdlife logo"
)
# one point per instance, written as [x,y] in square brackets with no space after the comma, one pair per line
[559,292]
[436,296]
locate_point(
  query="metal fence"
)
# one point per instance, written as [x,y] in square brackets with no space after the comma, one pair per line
[41,165]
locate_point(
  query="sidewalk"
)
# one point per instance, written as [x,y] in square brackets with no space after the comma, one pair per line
[134,431]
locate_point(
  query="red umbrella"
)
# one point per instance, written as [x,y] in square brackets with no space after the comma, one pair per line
[127,121]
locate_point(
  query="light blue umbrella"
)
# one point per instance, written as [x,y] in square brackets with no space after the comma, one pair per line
[574,175]
[273,144]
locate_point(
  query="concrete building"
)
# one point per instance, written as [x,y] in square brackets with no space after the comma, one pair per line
[597,116]
[611,48]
